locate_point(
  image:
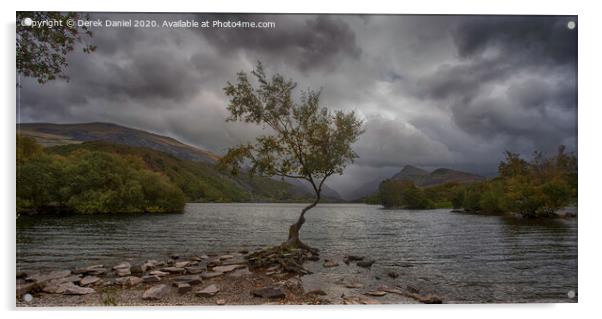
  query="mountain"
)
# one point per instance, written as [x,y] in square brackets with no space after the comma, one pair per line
[420,178]
[49,134]
[192,168]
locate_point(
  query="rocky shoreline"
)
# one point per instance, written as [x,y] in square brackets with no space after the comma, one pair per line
[208,279]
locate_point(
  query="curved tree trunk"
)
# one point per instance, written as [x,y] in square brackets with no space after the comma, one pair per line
[293,231]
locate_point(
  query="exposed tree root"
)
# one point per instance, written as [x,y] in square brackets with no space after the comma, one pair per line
[289,257]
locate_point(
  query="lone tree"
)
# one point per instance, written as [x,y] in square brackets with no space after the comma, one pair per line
[305,141]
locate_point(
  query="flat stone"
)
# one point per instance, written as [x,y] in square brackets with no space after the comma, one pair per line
[151,279]
[211,274]
[133,281]
[376,293]
[208,291]
[214,262]
[393,291]
[88,280]
[191,280]
[194,270]
[71,289]
[182,264]
[268,292]
[183,287]
[174,270]
[330,263]
[158,273]
[49,276]
[122,265]
[155,292]
[220,302]
[224,257]
[354,285]
[228,268]
[359,300]
[122,272]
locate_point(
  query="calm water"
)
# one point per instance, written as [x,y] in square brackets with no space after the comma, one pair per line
[463,257]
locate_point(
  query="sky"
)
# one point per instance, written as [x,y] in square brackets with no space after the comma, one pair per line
[433,91]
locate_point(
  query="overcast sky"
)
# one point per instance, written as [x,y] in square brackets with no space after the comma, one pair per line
[434,91]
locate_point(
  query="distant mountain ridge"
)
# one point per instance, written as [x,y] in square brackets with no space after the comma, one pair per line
[50,134]
[421,178]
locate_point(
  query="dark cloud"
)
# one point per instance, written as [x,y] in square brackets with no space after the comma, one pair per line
[307,42]
[434,91]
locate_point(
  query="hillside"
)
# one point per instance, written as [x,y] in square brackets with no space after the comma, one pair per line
[420,178]
[199,181]
[258,189]
[49,134]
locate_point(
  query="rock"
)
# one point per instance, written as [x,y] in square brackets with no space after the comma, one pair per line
[208,291]
[151,279]
[183,287]
[122,272]
[214,262]
[393,291]
[174,270]
[148,265]
[196,258]
[71,289]
[220,302]
[224,257]
[194,270]
[330,263]
[204,257]
[136,270]
[123,265]
[392,274]
[376,293]
[174,257]
[64,280]
[268,292]
[228,268]
[88,280]
[366,263]
[317,292]
[155,292]
[427,299]
[50,276]
[158,273]
[182,264]
[191,280]
[133,281]
[211,274]
[243,251]
[354,285]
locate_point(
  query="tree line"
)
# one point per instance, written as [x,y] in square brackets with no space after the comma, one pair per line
[90,182]
[534,188]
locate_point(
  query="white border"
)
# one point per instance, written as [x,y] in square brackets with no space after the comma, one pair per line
[589,154]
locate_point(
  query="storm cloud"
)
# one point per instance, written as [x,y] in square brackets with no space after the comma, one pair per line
[433,91]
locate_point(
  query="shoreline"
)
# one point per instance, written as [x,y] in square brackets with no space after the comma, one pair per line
[215,279]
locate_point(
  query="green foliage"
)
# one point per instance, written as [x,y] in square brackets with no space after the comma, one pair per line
[91,182]
[42,51]
[306,141]
[398,194]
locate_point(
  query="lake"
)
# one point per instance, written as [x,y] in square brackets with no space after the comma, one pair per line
[462,257]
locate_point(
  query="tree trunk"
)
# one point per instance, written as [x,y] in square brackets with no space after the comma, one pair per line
[293,231]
